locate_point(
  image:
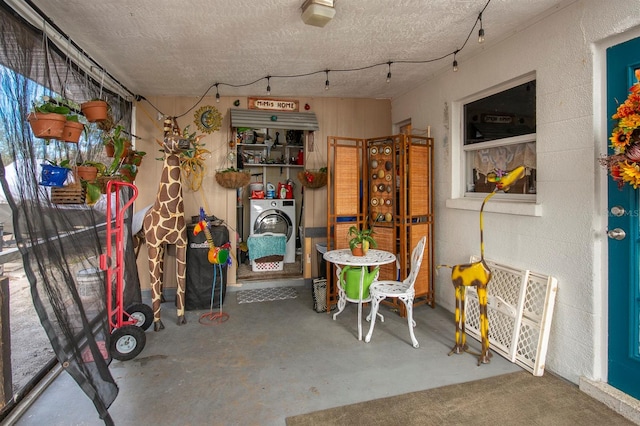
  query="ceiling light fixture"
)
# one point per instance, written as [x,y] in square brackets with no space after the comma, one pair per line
[326,82]
[217,94]
[455,61]
[317,12]
[389,73]
[268,85]
[481,32]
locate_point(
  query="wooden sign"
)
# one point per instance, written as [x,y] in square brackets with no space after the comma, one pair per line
[272,104]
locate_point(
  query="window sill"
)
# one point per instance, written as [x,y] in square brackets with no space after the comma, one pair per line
[515,207]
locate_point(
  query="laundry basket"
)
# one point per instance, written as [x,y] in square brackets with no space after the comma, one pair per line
[266,251]
[266,266]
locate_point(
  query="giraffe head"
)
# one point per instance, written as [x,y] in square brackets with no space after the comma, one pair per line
[504,180]
[174,144]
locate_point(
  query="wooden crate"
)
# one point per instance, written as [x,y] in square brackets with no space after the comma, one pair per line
[73,194]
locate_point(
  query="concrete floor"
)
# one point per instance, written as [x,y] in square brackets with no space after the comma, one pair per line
[270,360]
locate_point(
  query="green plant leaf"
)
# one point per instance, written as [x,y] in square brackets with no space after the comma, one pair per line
[93,193]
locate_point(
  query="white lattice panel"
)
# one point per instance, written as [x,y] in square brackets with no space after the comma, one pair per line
[520,307]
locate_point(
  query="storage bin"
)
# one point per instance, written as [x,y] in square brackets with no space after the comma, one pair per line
[266,266]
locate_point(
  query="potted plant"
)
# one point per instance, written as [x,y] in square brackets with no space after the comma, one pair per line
[128,172]
[116,140]
[232,178]
[95,110]
[73,128]
[116,143]
[88,170]
[361,240]
[95,188]
[313,179]
[47,118]
[134,157]
[193,160]
[54,173]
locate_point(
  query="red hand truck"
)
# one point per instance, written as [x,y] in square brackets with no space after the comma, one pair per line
[126,326]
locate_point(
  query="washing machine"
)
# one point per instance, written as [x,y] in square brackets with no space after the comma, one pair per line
[278,216]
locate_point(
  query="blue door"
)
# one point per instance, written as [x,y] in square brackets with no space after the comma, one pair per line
[623,232]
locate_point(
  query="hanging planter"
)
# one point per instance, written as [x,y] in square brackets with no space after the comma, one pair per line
[48,117]
[134,157]
[109,149]
[53,175]
[96,110]
[232,178]
[128,172]
[72,131]
[116,143]
[87,173]
[47,125]
[313,179]
[102,182]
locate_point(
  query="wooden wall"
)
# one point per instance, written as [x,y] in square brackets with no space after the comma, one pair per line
[357,118]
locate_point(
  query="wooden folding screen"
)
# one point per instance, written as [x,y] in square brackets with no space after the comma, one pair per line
[386,183]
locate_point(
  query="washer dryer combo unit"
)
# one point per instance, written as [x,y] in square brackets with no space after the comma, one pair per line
[277,216]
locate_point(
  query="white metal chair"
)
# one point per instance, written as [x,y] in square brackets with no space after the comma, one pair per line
[402,290]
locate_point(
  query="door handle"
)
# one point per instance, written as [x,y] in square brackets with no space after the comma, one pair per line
[616,234]
[617,211]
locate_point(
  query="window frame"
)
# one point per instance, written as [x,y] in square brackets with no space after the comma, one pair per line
[521,204]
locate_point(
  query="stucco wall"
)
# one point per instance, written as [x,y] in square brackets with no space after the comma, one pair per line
[566,241]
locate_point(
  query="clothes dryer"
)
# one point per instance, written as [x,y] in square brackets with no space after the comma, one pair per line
[278,216]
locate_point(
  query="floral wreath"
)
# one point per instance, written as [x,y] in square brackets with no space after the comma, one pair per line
[624,163]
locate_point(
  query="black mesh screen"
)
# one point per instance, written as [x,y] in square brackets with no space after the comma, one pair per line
[60,244]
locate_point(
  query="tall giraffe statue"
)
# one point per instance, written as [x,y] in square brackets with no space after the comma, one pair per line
[478,274]
[164,224]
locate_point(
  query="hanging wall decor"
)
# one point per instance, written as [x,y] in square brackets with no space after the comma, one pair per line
[208,119]
[624,163]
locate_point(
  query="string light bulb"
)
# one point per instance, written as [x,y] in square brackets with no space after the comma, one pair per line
[481,36]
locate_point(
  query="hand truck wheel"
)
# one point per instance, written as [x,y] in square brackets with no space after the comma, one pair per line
[127,342]
[140,313]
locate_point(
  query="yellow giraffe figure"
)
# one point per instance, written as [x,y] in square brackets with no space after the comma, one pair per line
[478,274]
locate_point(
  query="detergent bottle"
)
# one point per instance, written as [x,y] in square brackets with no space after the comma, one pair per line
[282,190]
[289,188]
[271,190]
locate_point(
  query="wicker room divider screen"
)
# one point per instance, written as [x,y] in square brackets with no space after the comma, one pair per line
[386,183]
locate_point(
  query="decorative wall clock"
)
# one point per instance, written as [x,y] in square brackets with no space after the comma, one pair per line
[208,119]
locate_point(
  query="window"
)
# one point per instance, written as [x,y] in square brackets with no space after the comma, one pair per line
[499,135]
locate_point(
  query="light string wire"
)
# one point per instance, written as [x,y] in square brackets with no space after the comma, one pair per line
[327,71]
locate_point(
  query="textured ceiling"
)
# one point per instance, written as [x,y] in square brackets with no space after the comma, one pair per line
[166,47]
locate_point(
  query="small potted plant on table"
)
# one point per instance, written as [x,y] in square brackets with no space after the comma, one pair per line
[361,240]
